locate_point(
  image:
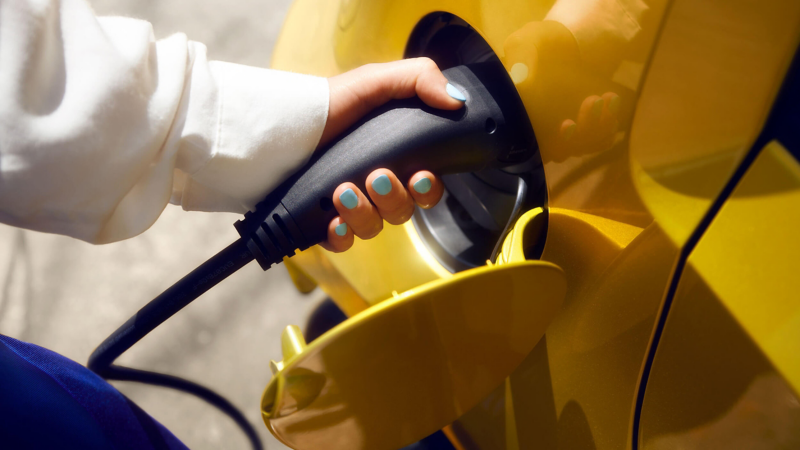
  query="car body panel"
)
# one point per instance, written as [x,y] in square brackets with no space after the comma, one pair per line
[413,364]
[726,372]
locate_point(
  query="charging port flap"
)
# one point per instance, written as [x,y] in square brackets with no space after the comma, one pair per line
[414,363]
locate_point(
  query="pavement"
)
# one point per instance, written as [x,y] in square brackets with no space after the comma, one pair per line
[66,295]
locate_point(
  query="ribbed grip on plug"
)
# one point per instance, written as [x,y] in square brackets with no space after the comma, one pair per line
[275,237]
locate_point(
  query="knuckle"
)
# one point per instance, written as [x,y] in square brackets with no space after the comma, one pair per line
[427,64]
[374,229]
[514,40]
[395,206]
[401,218]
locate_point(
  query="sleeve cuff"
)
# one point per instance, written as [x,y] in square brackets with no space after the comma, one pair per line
[261,126]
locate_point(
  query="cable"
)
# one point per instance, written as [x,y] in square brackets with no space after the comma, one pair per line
[180,384]
[169,302]
[522,193]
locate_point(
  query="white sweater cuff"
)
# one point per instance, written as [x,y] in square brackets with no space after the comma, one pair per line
[246,131]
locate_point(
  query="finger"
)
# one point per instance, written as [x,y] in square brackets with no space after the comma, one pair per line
[415,76]
[608,118]
[589,117]
[426,189]
[433,88]
[567,131]
[391,198]
[559,142]
[609,121]
[356,211]
[356,92]
[340,236]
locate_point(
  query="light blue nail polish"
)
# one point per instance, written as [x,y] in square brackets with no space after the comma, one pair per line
[341,229]
[382,185]
[349,199]
[423,185]
[455,93]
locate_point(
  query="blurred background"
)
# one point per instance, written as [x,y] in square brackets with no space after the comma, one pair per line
[66,295]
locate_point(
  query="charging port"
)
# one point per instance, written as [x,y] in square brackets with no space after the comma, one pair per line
[462,230]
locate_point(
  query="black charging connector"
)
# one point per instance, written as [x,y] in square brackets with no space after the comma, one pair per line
[404,136]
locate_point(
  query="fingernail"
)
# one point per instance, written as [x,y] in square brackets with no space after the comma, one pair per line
[613,105]
[349,199]
[423,185]
[455,93]
[569,132]
[341,229]
[382,185]
[597,108]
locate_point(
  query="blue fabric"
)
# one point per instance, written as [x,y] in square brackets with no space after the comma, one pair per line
[49,401]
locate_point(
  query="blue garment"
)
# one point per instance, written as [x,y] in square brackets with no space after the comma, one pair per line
[49,401]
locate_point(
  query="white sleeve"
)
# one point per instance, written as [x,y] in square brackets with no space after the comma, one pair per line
[101,125]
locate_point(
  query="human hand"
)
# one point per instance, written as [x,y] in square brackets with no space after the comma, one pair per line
[354,94]
[553,79]
[595,130]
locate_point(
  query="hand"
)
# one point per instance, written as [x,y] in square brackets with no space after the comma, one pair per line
[595,130]
[553,79]
[354,94]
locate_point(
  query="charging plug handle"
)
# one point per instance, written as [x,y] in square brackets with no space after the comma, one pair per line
[404,136]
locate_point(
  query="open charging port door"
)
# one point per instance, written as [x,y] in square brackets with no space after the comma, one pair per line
[412,364]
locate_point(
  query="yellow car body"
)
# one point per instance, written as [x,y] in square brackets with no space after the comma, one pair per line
[677,233]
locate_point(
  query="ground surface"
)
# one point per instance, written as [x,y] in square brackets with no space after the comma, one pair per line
[67,295]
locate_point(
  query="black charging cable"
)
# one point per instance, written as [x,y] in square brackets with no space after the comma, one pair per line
[161,308]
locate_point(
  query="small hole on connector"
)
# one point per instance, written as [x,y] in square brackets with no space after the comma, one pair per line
[326,204]
[491,125]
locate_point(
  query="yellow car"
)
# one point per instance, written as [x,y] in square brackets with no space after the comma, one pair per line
[648,297]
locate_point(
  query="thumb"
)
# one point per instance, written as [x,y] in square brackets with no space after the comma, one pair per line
[422,77]
[354,93]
